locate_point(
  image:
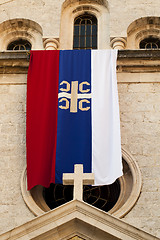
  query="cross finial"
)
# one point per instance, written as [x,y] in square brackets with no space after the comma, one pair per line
[78,179]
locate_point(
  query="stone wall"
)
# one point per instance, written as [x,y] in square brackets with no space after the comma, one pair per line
[47,13]
[139,96]
[140,129]
[13,210]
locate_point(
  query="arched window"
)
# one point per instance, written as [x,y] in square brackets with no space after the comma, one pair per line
[19,44]
[117,198]
[144,33]
[150,43]
[85,32]
[81,19]
[102,197]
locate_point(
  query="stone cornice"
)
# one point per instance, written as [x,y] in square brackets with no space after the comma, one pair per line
[17,62]
[143,54]
[138,61]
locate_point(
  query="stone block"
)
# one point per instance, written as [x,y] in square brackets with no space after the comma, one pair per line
[2,107]
[141,87]
[15,139]
[135,149]
[4,162]
[157,159]
[150,172]
[12,79]
[156,87]
[128,127]
[149,199]
[150,185]
[144,161]
[153,117]
[150,224]
[4,89]
[8,128]
[18,163]
[17,215]
[7,150]
[132,117]
[17,90]
[122,88]
[3,139]
[12,107]
[146,128]
[150,149]
[21,129]
[124,139]
[13,118]
[134,102]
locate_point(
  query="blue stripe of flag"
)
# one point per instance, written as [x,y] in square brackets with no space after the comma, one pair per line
[73,129]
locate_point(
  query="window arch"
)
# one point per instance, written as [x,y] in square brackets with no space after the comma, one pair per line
[20,44]
[72,10]
[19,31]
[85,32]
[144,33]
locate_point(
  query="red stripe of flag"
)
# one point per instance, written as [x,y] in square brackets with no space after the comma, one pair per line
[42,105]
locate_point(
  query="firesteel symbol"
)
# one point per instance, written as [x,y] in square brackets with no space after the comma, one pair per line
[74,96]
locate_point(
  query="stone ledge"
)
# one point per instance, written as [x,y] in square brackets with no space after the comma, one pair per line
[12,55]
[122,54]
[143,54]
[14,62]
[138,61]
[128,61]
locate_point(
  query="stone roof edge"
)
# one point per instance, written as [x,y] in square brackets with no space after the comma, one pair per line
[85,213]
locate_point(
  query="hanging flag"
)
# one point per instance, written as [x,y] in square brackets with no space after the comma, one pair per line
[72,116]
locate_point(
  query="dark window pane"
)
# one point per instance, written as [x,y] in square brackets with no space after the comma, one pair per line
[77,21]
[22,47]
[82,30]
[154,45]
[16,48]
[82,42]
[88,41]
[150,43]
[76,42]
[28,47]
[87,34]
[20,44]
[102,197]
[148,46]
[88,30]
[94,41]
[76,30]
[94,29]
[89,21]
[83,22]
[94,21]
